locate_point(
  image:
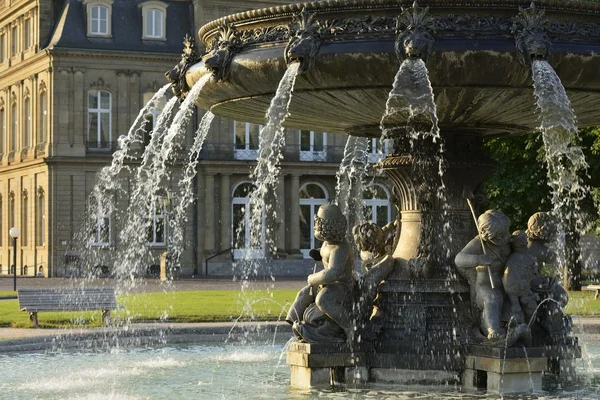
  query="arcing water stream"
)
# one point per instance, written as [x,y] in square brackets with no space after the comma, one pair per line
[350,180]
[565,160]
[262,199]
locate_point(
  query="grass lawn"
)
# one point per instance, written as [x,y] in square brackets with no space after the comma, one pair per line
[196,306]
[210,306]
[7,293]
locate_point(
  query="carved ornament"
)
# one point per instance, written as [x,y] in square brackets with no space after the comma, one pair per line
[176,76]
[305,40]
[531,35]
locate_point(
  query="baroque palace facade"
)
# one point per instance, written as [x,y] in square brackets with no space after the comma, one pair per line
[74,75]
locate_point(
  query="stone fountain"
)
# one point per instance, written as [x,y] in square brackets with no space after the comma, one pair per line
[441,320]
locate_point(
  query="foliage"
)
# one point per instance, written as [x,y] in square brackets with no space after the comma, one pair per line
[519,185]
[189,306]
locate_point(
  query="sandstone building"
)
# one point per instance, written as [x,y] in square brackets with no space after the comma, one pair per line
[74,74]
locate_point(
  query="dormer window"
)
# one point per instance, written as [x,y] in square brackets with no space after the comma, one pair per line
[99,17]
[154,14]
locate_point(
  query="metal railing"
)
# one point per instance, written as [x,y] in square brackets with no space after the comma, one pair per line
[100,147]
[291,153]
[230,250]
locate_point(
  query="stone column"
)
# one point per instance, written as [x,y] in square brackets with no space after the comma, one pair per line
[225,222]
[280,216]
[209,214]
[295,214]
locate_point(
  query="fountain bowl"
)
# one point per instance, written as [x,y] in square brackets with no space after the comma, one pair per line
[479,84]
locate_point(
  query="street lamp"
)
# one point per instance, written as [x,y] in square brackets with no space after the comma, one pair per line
[14,234]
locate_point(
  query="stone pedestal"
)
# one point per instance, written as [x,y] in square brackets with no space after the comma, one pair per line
[324,365]
[502,372]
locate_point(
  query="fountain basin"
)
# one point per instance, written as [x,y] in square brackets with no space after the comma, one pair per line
[478,82]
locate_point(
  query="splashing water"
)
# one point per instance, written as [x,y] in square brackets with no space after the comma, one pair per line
[350,180]
[411,121]
[186,194]
[265,175]
[565,160]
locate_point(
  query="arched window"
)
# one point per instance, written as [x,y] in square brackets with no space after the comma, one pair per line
[43,131]
[377,204]
[312,196]
[99,120]
[247,242]
[41,218]
[27,121]
[14,131]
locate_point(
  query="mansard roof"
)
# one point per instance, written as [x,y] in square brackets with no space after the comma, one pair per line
[70,28]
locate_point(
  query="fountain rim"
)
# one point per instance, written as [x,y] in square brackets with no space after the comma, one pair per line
[278,12]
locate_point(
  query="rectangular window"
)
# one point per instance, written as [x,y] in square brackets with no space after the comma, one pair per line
[99,20]
[99,120]
[156,228]
[154,20]
[27,33]
[246,140]
[27,133]
[101,225]
[13,133]
[43,118]
[2,48]
[14,41]
[313,146]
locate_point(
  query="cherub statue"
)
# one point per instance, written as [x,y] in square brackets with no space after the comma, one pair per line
[377,263]
[541,229]
[490,251]
[322,311]
[520,269]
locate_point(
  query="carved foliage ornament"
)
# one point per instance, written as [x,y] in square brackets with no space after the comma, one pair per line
[414,29]
[177,75]
[531,35]
[226,45]
[305,40]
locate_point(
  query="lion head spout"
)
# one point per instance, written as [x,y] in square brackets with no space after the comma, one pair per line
[531,36]
[177,75]
[305,40]
[224,47]
[414,38]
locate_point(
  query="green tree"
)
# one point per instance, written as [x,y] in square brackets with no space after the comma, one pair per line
[519,186]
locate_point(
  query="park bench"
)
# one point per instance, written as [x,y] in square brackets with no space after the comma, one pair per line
[71,299]
[593,287]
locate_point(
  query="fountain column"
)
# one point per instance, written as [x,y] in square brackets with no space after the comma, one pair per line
[428,315]
[280,214]
[209,213]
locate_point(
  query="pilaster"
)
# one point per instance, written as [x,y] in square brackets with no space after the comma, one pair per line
[295,214]
[225,223]
[209,213]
